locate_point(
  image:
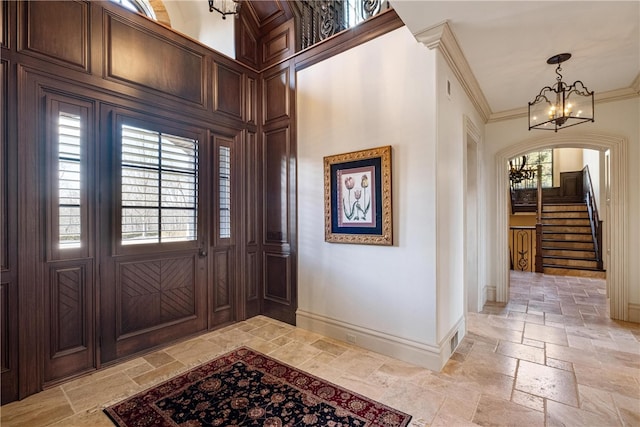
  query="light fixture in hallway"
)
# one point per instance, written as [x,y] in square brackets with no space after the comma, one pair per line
[224,7]
[561,105]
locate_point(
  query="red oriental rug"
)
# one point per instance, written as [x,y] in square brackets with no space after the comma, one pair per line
[247,388]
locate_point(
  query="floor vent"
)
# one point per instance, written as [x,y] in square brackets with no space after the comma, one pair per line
[454,342]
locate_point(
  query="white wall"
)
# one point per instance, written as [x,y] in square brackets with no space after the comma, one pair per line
[193,19]
[620,118]
[450,204]
[409,299]
[566,160]
[591,158]
[379,93]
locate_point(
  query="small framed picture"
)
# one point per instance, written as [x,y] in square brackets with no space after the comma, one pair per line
[357,197]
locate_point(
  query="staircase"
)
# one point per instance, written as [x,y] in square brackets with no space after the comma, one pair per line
[568,248]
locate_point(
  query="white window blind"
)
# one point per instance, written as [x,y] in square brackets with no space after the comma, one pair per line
[159,188]
[69,177]
[225,191]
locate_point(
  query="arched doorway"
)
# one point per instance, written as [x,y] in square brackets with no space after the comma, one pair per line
[617,277]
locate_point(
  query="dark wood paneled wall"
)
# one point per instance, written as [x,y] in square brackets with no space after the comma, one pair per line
[115,65]
[63,314]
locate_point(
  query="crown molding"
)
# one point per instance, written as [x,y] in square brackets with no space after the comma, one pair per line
[440,36]
[600,98]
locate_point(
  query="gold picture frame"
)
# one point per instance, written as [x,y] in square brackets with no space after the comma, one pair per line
[357,197]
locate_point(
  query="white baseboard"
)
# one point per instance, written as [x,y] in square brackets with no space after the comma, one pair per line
[420,354]
[634,312]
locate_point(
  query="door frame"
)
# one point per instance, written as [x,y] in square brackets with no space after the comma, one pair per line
[617,274]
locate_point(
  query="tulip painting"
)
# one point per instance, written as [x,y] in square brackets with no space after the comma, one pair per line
[357,190]
[356,201]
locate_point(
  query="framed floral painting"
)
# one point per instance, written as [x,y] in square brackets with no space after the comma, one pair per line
[357,197]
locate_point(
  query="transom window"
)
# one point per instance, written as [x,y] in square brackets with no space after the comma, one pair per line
[140,6]
[159,187]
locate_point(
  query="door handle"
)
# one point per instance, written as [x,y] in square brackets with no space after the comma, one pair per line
[203,253]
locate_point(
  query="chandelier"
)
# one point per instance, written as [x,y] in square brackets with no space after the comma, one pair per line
[561,105]
[225,7]
[519,172]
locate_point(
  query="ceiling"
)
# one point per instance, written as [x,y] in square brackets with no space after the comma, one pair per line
[507,43]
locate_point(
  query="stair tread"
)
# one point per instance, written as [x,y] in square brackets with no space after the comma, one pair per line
[573,267]
[567,257]
[559,248]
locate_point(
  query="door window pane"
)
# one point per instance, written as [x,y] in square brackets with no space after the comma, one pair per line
[159,188]
[69,177]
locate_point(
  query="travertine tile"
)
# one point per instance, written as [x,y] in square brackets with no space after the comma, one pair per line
[39,409]
[550,355]
[493,412]
[547,334]
[547,382]
[93,395]
[559,414]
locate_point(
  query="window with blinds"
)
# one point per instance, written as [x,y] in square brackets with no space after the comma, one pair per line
[159,187]
[69,177]
[224,168]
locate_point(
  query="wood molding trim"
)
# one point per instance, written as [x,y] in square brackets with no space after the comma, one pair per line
[441,37]
[600,98]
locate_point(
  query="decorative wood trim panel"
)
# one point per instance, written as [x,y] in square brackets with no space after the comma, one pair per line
[276,95]
[154,293]
[132,56]
[252,276]
[6,325]
[247,43]
[57,31]
[277,278]
[276,155]
[68,315]
[251,100]
[4,21]
[222,283]
[5,228]
[251,173]
[278,44]
[228,91]
[69,320]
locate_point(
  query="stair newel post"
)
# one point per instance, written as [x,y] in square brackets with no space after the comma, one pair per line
[539,267]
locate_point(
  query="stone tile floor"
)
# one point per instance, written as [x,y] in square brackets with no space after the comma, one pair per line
[550,357]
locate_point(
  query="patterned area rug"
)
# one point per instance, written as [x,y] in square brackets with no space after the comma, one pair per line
[247,388]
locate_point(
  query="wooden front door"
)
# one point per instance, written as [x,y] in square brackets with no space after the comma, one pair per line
[154,235]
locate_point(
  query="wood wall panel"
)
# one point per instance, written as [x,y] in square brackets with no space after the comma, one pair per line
[277,277]
[278,44]
[276,96]
[69,319]
[252,276]
[138,56]
[247,44]
[222,281]
[227,98]
[4,164]
[153,293]
[251,100]
[58,30]
[276,157]
[4,21]
[252,182]
[5,329]
[68,316]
